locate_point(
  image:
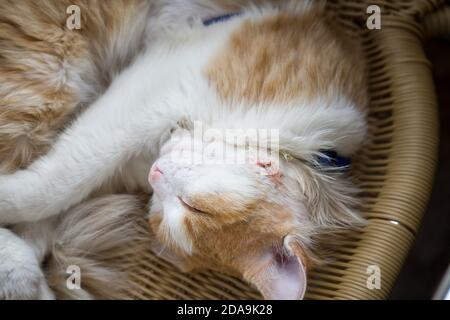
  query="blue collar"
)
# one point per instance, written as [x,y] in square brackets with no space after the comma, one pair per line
[218,19]
[330,158]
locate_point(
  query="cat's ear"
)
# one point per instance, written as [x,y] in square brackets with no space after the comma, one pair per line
[281,273]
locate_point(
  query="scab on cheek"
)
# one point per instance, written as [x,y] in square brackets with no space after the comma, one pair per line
[277,179]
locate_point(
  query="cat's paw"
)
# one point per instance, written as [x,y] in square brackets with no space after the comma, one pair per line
[24,283]
[20,274]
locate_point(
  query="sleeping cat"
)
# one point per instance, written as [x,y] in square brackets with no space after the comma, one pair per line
[279,68]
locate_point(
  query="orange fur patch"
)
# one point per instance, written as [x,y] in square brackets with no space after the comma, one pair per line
[39,61]
[231,247]
[285,57]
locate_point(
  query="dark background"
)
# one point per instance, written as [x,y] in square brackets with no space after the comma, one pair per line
[430,254]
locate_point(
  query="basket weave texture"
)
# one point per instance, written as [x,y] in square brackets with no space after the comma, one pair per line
[395,168]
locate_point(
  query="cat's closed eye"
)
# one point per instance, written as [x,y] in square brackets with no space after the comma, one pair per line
[192,208]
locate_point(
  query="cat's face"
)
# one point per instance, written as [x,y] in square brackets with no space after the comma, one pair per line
[231,211]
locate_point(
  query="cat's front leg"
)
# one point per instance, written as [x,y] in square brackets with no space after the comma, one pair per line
[80,162]
[129,119]
[84,157]
[20,274]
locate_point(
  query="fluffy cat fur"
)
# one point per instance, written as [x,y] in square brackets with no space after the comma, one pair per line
[142,73]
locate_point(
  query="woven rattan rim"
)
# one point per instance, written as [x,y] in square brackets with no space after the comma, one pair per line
[395,167]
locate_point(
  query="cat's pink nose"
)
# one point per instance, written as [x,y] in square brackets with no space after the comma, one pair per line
[155,173]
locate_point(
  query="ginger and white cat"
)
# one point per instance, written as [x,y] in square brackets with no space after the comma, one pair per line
[281,66]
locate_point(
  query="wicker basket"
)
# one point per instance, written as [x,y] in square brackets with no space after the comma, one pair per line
[395,167]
